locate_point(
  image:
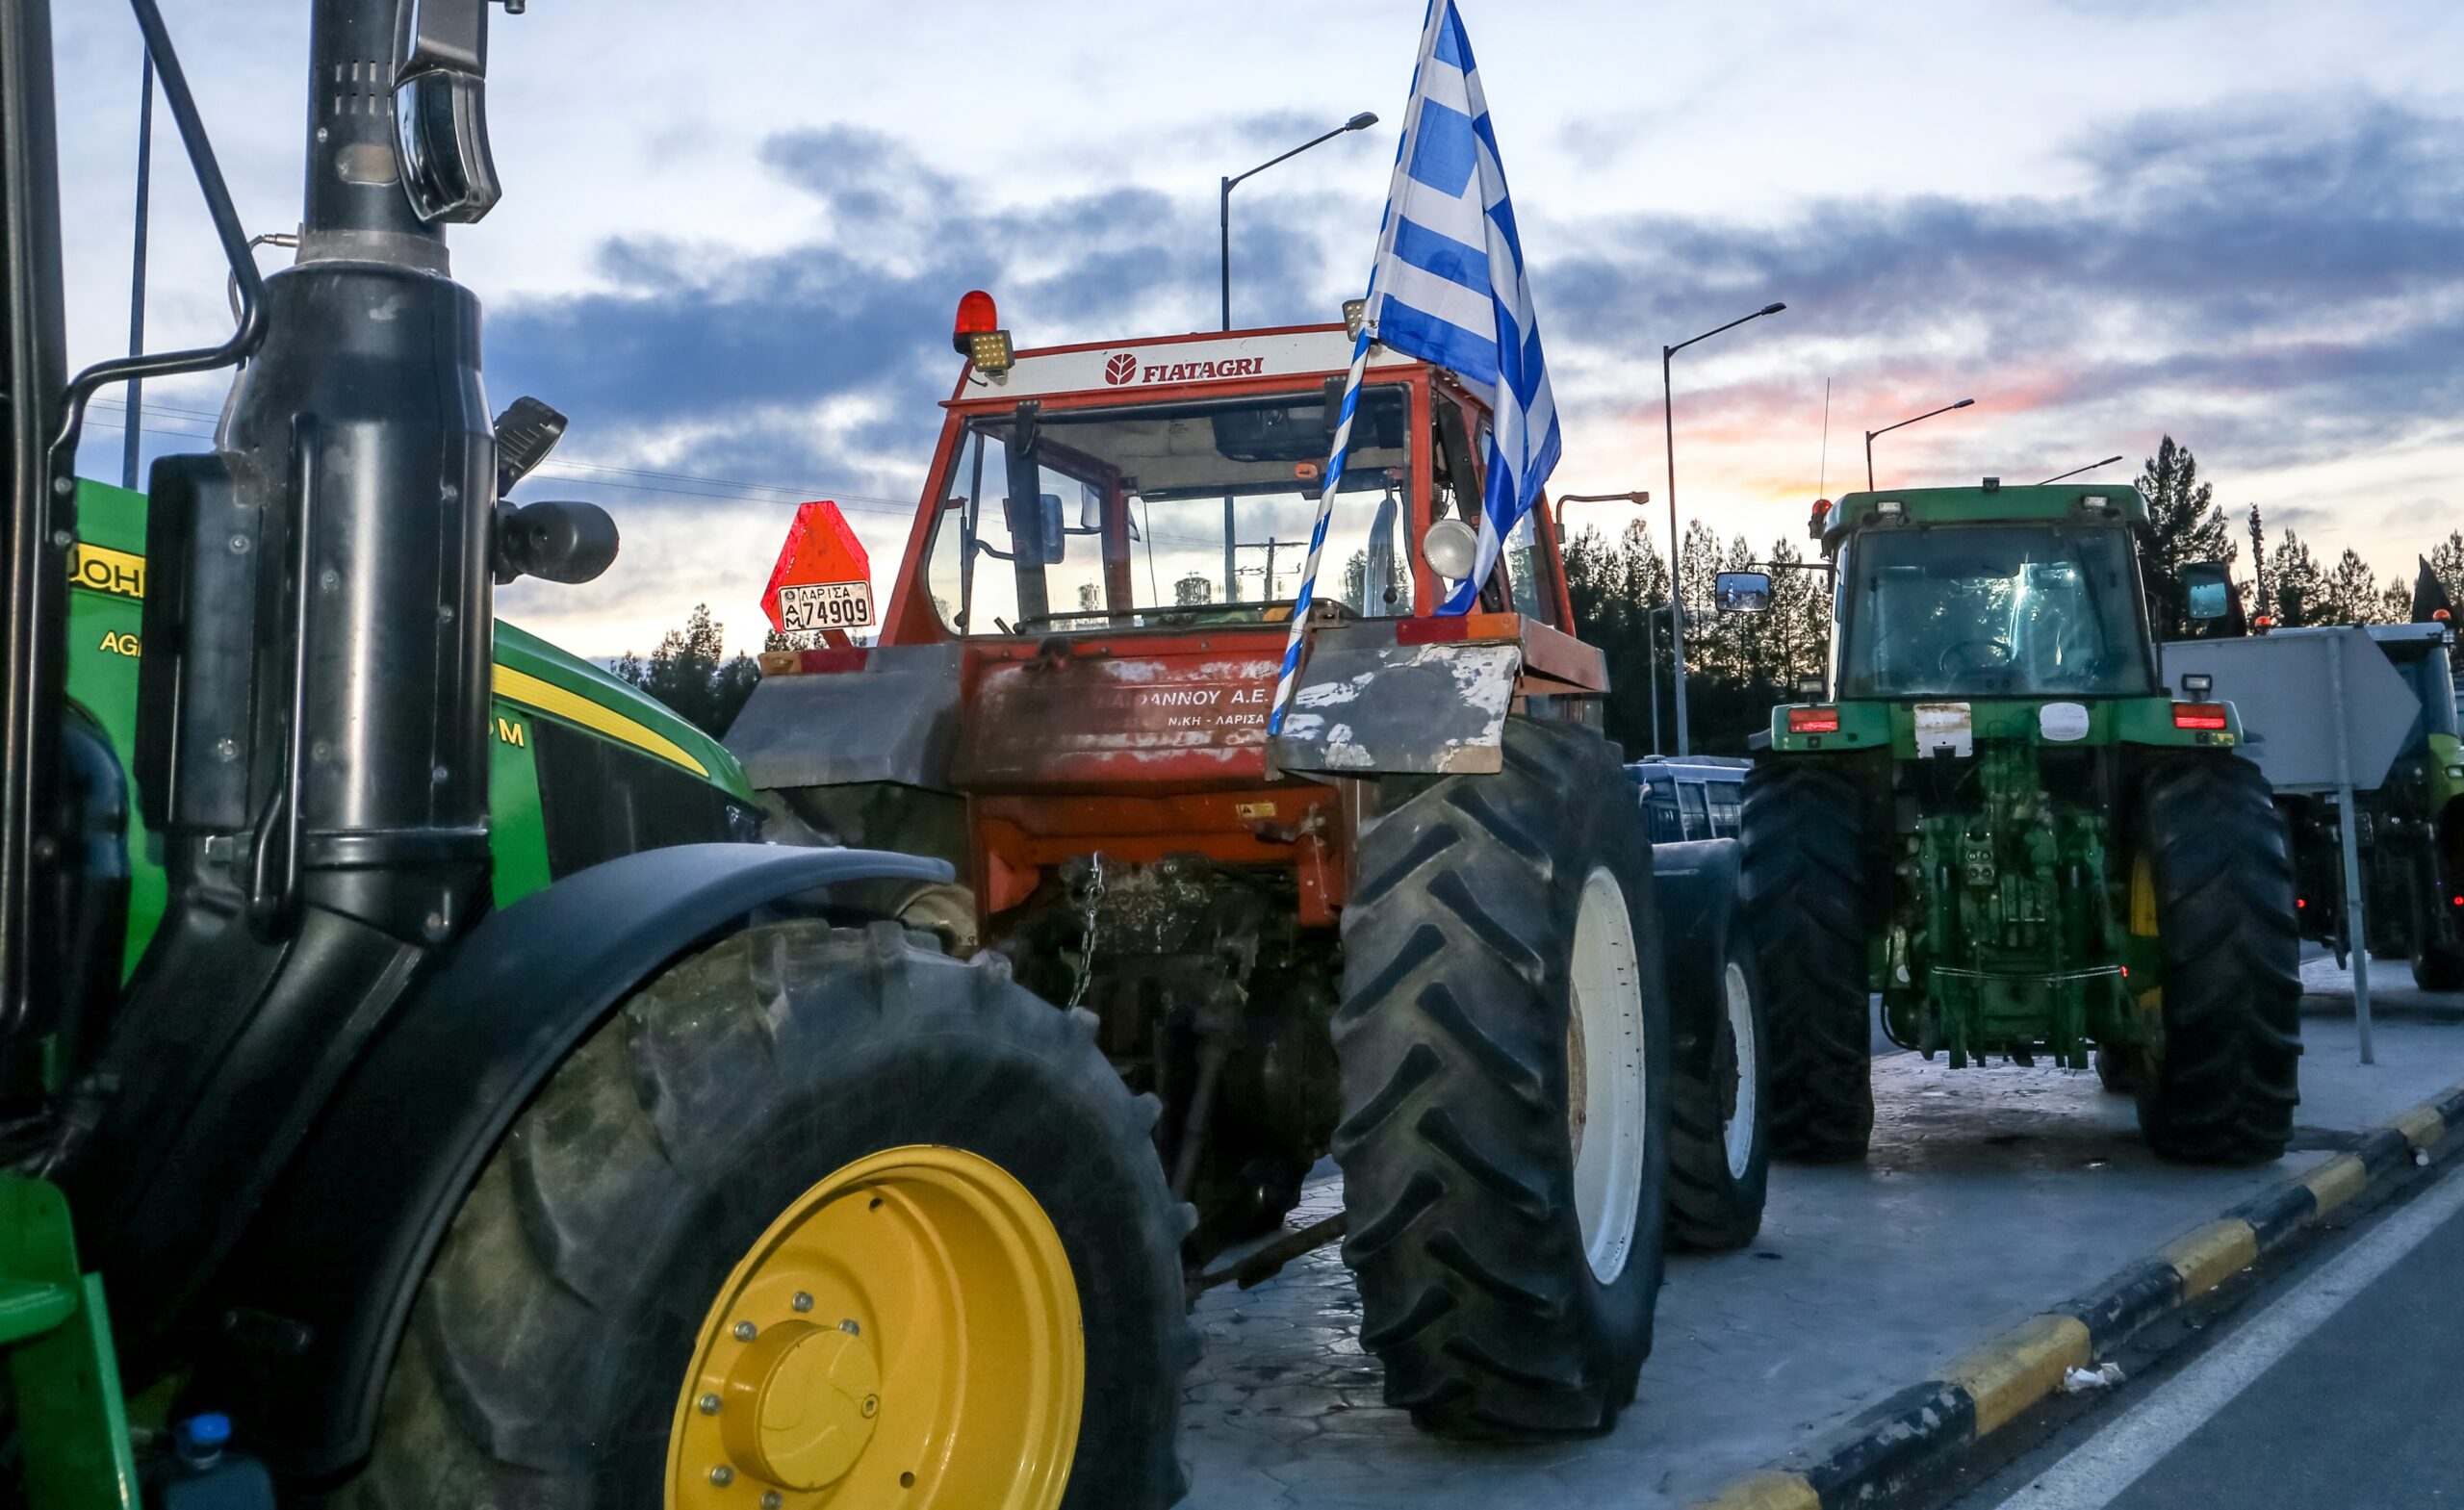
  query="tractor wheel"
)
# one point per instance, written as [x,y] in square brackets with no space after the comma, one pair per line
[2118,1069]
[2439,967]
[1719,1153]
[819,1212]
[1718,1140]
[2221,1086]
[1806,896]
[1503,1049]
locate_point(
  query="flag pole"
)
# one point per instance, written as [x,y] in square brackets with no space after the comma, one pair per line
[1300,633]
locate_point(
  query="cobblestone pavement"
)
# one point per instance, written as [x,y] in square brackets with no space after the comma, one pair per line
[1989,1195]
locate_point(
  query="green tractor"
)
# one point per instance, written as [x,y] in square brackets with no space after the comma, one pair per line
[417,1088]
[2001,823]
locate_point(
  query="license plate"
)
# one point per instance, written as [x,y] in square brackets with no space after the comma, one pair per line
[826,606]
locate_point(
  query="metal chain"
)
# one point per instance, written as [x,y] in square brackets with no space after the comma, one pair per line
[1094,892]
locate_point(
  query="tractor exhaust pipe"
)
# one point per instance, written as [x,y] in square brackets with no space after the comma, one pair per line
[313,706]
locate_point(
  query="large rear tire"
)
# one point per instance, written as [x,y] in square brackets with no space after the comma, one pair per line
[954,1184]
[2439,967]
[1503,1047]
[1808,899]
[2221,1086]
[1719,1162]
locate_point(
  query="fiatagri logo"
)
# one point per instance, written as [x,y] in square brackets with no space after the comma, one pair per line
[1122,368]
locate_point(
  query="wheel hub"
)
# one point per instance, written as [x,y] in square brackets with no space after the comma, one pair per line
[799,1404]
[906,1336]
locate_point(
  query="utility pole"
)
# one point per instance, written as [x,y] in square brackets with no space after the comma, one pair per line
[133,432]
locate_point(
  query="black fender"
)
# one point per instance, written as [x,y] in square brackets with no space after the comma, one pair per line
[1695,883]
[314,1298]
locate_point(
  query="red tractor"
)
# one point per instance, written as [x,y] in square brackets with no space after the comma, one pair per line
[1417,930]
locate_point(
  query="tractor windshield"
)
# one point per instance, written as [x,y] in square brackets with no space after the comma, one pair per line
[1993,610]
[1172,515]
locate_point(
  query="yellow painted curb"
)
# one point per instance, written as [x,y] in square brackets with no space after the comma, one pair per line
[2337,1181]
[2422,1126]
[1766,1491]
[2019,1367]
[2212,1255]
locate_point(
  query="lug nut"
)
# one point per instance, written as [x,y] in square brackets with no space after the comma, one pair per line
[744,1331]
[770,1500]
[723,1475]
[872,1403]
[851,1328]
[709,1404]
[800,1302]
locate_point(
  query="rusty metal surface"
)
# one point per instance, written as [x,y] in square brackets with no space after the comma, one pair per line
[894,720]
[1103,719]
[1364,702]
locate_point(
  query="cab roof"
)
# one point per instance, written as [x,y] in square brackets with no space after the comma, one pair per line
[1178,366]
[1983,504]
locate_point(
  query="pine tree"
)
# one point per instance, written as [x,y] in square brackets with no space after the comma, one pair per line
[2352,592]
[2446,564]
[690,673]
[2258,563]
[2301,586]
[2184,525]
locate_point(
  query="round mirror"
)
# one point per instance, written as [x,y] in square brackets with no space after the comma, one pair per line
[1451,548]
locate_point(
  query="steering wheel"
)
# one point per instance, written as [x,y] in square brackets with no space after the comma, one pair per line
[1975,655]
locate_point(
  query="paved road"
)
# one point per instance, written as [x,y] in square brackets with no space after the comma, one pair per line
[2339,1391]
[1990,1195]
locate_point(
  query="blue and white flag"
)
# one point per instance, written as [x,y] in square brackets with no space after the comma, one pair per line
[1448,287]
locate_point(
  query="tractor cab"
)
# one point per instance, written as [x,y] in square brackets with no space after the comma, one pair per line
[2001,593]
[1096,590]
[1171,484]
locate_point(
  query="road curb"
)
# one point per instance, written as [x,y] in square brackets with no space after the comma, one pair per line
[1870,1457]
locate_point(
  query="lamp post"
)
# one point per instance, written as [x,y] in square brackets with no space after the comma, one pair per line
[2075,470]
[1675,559]
[1903,424]
[1650,642]
[1223,230]
[1637,497]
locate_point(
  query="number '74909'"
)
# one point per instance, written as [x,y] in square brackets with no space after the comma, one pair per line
[827,605]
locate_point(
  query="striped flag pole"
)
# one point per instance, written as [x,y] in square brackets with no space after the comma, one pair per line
[1293,642]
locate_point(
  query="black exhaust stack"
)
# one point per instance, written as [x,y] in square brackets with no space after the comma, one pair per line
[313,723]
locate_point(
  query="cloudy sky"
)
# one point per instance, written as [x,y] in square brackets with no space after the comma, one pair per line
[734,235]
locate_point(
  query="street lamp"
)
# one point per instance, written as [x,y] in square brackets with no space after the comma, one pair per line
[1675,562]
[1224,204]
[1888,428]
[2075,470]
[1638,497]
[1223,228]
[1651,641]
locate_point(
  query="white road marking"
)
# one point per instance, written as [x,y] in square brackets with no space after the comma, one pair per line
[2098,1469]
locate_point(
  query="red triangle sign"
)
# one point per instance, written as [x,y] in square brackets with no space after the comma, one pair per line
[823,580]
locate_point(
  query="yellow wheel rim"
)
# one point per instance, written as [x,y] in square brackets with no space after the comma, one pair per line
[905,1334]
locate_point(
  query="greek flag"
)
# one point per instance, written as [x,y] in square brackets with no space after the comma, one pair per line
[1448,287]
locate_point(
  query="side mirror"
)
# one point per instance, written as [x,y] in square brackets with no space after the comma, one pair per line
[1037,534]
[2207,589]
[441,109]
[1742,592]
[555,540]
